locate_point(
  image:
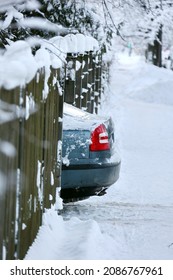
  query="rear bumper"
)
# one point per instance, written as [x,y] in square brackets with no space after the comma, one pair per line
[88,179]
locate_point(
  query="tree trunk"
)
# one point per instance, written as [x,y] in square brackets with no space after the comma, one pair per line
[157,49]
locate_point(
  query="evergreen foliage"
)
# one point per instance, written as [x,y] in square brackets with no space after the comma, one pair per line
[141,22]
[74,16]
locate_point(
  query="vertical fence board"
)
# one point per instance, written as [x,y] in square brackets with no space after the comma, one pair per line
[8,166]
[78,86]
[97,83]
[50,152]
[84,95]
[58,125]
[89,85]
[70,82]
[93,84]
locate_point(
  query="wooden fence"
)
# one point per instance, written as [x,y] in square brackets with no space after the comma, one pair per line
[33,172]
[30,162]
[83,81]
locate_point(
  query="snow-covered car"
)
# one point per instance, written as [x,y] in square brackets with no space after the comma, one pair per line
[90,161]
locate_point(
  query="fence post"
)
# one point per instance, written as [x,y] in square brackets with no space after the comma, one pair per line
[98,74]
[70,80]
[53,134]
[78,86]
[84,95]
[90,103]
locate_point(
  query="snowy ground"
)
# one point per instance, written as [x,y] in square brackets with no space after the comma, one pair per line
[134,220]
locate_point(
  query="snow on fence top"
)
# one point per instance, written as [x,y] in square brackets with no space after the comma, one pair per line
[19,65]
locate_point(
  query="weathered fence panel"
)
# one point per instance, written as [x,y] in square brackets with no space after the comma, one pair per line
[83,81]
[9,143]
[30,174]
[31,161]
[35,169]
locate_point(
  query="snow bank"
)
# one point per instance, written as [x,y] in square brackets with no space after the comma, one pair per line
[72,239]
[19,65]
[152,85]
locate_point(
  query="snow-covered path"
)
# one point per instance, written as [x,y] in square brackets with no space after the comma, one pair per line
[134,219]
[145,133]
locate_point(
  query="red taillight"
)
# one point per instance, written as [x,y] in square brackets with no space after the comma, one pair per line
[99,139]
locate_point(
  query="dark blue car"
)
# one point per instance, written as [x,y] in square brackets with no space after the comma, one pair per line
[90,161]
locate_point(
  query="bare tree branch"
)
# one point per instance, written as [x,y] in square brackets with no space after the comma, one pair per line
[116,28]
